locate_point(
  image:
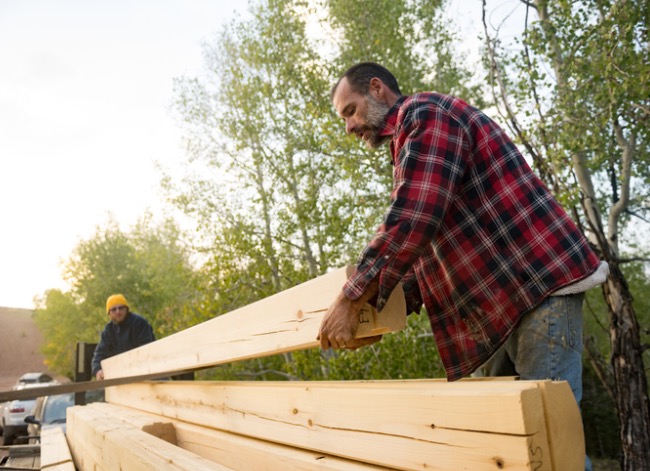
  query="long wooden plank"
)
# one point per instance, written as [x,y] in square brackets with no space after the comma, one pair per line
[55,453]
[403,425]
[235,451]
[115,445]
[287,321]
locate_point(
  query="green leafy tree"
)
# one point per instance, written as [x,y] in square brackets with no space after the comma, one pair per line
[275,207]
[59,324]
[410,38]
[278,192]
[150,265]
[408,354]
[576,95]
[270,191]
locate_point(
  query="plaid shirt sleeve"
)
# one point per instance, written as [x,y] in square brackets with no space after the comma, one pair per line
[428,160]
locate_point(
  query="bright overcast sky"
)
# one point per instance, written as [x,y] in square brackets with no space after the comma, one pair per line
[85,92]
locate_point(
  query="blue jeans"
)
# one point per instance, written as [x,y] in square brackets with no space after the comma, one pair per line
[546,345]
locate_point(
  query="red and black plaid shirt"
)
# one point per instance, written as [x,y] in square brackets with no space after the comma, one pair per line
[471,231]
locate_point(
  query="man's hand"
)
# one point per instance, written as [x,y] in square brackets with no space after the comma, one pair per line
[100,375]
[340,323]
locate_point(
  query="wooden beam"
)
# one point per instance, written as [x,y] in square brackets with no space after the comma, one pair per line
[55,453]
[564,425]
[284,322]
[236,451]
[104,443]
[84,456]
[419,425]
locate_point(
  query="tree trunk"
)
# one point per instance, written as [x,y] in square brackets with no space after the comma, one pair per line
[627,354]
[631,395]
[631,383]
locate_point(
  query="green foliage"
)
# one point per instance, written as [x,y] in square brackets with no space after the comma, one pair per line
[410,38]
[58,319]
[278,193]
[578,86]
[268,103]
[150,266]
[409,354]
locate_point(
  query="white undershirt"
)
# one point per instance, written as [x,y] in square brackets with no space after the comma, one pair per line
[596,278]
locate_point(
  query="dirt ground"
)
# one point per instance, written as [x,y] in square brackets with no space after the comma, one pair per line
[20,341]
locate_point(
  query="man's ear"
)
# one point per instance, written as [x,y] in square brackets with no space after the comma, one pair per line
[379,91]
[376,87]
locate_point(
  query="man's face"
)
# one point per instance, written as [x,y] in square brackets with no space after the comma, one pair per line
[363,114]
[118,314]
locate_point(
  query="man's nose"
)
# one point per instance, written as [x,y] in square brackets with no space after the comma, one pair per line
[350,125]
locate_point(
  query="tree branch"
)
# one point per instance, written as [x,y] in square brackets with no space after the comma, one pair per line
[636,215]
[628,146]
[503,98]
[529,4]
[634,259]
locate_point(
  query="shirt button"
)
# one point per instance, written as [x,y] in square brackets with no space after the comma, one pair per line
[386,257]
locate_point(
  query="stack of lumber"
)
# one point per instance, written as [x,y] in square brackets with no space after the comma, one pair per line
[406,425]
[338,425]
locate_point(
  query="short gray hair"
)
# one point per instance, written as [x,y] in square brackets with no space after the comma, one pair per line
[360,75]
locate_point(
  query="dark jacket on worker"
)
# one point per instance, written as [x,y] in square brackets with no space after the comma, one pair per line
[134,332]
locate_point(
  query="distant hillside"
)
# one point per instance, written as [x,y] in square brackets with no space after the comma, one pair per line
[20,343]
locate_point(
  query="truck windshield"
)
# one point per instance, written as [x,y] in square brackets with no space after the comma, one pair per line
[56,406]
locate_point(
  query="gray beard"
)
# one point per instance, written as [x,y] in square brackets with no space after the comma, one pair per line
[375,118]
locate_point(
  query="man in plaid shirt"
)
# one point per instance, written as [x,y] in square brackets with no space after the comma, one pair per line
[471,233]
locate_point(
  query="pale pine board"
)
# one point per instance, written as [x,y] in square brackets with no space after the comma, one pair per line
[287,321]
[104,443]
[564,426]
[234,451]
[55,453]
[477,425]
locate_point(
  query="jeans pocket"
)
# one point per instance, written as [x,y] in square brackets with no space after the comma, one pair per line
[565,322]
